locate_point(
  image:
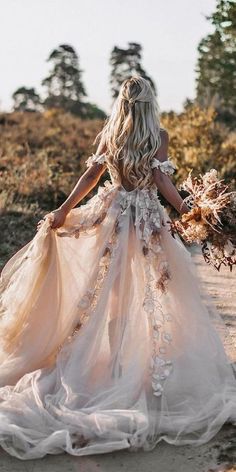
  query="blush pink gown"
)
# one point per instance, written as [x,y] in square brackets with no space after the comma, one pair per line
[105,340]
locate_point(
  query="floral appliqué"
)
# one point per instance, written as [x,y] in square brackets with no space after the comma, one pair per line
[148,219]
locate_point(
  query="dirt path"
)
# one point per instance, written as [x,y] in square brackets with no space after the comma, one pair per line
[221,286]
[217,455]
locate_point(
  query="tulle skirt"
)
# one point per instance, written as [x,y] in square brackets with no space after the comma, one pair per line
[106,342]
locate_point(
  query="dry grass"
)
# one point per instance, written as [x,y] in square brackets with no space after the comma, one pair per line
[42,157]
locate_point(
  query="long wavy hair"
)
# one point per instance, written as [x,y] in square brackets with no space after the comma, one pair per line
[132,132]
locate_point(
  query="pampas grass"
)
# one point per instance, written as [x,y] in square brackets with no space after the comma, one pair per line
[211,219]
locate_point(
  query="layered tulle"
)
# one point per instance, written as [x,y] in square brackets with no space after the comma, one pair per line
[105,340]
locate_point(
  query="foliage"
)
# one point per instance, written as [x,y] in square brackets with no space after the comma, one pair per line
[216,78]
[198,142]
[124,64]
[86,110]
[64,84]
[26,99]
[64,88]
[43,154]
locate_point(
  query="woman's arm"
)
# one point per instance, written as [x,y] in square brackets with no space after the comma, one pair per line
[86,182]
[163,181]
[84,185]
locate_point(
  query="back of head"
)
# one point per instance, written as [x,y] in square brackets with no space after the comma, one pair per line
[132,132]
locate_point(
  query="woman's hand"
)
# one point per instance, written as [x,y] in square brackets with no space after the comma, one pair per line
[57,218]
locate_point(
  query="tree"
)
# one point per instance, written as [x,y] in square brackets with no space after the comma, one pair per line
[26,99]
[125,63]
[89,111]
[216,67]
[64,84]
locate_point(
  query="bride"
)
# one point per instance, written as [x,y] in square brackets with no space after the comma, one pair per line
[106,342]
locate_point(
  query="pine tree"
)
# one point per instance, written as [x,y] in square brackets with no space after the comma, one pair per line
[64,85]
[125,63]
[216,67]
[26,99]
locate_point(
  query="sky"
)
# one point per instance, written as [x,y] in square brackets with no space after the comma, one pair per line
[168,30]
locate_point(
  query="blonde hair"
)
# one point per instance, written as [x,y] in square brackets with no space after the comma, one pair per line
[132,132]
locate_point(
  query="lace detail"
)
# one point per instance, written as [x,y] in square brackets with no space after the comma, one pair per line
[148,220]
[147,214]
[91,214]
[88,302]
[95,159]
[147,210]
[160,364]
[167,167]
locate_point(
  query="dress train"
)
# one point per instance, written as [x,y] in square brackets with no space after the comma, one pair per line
[106,342]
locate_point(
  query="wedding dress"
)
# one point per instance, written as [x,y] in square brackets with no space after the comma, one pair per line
[106,341]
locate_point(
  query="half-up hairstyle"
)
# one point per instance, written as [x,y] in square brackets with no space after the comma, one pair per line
[132,132]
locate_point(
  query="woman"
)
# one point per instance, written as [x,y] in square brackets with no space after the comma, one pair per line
[106,343]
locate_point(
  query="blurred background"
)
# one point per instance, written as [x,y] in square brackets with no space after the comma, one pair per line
[62,64]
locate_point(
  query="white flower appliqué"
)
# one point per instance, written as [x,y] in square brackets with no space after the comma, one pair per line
[167,167]
[95,159]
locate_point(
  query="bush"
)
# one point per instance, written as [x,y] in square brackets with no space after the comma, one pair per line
[43,155]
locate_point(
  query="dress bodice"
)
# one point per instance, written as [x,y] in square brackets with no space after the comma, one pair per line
[166,167]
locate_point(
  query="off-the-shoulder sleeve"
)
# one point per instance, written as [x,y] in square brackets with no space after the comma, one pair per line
[95,158]
[167,167]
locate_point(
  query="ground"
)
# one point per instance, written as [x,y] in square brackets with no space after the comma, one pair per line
[217,455]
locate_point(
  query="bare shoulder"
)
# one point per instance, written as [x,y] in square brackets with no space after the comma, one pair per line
[164,136]
[162,152]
